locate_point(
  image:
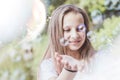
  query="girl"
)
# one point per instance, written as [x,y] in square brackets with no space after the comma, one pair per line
[69,48]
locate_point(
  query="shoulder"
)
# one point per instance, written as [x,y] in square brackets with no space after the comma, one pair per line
[48,66]
[47,63]
[47,69]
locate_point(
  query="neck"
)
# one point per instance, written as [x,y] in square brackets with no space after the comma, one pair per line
[74,54]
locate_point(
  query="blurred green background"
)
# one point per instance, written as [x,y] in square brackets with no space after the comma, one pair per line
[20,61]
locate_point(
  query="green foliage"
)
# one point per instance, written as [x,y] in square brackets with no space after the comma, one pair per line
[91,5]
[54,4]
[72,2]
[18,62]
[39,49]
[13,63]
[105,36]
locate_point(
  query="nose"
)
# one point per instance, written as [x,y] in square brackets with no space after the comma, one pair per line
[74,34]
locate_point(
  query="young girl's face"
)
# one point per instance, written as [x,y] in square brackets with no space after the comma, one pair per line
[74,30]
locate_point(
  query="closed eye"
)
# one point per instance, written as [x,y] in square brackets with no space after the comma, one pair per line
[66,30]
[81,28]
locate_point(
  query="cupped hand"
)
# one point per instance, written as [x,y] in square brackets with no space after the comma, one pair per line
[69,62]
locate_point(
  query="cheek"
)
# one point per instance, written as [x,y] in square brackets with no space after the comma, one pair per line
[83,35]
[66,35]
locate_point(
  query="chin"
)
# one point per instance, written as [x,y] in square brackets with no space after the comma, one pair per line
[74,48]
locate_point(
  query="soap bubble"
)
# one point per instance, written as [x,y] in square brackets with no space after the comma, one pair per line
[64,42]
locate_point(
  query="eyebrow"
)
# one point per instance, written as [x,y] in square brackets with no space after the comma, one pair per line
[82,24]
[68,26]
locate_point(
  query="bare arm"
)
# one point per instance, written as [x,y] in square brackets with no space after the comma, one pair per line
[64,75]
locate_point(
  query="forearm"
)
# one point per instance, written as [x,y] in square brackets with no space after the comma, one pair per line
[66,75]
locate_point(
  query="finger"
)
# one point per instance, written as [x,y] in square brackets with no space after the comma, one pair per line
[69,66]
[57,59]
[66,65]
[74,67]
[57,56]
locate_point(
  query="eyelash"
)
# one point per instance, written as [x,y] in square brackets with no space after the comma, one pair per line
[67,30]
[80,28]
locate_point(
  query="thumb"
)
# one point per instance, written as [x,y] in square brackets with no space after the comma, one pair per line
[56,54]
[58,57]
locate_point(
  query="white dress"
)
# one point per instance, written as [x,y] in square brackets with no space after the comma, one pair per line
[103,67]
[47,69]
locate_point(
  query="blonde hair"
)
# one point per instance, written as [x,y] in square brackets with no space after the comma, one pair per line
[55,31]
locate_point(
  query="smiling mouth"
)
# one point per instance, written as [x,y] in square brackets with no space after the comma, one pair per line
[74,42]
